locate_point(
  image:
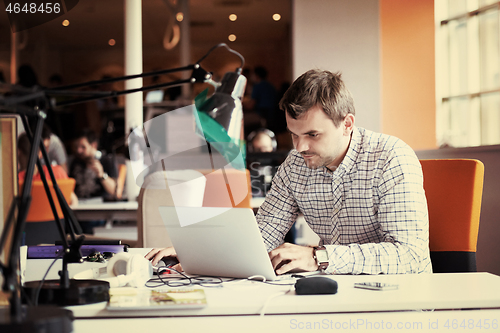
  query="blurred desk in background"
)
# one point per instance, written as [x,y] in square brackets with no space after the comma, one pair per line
[96,209]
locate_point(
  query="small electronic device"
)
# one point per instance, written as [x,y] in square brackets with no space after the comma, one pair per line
[316,285]
[376,286]
[170,261]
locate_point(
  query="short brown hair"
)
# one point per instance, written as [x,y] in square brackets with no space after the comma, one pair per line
[322,88]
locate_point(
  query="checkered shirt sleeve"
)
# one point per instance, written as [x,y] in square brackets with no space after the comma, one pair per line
[370,213]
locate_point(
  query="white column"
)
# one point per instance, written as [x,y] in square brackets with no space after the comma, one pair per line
[133,63]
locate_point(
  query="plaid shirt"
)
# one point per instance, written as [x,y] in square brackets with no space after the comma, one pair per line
[370,213]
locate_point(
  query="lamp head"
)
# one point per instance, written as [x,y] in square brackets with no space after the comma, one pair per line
[224,106]
[221,117]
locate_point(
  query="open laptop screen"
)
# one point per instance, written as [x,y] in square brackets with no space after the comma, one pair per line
[217,241]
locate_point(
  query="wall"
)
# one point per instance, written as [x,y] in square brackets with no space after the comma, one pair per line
[385,50]
[339,35]
[408,74]
[488,246]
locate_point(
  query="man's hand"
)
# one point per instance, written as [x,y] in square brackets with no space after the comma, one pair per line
[288,257]
[155,256]
[96,166]
[109,184]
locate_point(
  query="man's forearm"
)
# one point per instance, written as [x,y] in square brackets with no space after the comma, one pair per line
[376,258]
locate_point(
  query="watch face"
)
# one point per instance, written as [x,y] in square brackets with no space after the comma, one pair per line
[321,255]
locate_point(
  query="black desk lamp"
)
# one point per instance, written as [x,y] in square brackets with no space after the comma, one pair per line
[224,107]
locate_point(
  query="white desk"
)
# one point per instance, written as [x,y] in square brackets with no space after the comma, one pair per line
[234,306]
[416,291]
[96,209]
[424,291]
[413,321]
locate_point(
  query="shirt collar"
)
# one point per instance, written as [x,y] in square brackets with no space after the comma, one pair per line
[348,164]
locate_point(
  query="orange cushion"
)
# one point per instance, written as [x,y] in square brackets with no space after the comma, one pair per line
[40,208]
[453,188]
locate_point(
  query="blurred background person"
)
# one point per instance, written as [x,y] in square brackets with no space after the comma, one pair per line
[261,141]
[23,152]
[95,172]
[262,102]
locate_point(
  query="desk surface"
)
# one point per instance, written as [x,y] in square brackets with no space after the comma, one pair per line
[416,291]
[425,291]
[96,204]
[411,321]
[234,306]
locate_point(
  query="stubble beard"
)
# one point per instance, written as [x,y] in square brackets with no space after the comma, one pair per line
[317,161]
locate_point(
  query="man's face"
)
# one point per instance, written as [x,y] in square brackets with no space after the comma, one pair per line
[318,140]
[84,150]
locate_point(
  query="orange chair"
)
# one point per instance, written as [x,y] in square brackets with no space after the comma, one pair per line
[40,208]
[454,189]
[120,180]
[40,226]
[217,193]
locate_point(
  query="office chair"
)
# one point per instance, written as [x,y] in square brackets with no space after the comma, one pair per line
[120,180]
[217,193]
[206,189]
[40,225]
[454,189]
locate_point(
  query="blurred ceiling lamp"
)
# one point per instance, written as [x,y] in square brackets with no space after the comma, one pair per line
[231,37]
[65,23]
[276,17]
[112,42]
[233,17]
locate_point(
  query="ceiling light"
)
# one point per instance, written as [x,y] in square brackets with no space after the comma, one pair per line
[179,17]
[65,23]
[233,17]
[111,42]
[276,17]
[231,37]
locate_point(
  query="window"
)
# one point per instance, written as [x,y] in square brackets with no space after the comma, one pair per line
[467,72]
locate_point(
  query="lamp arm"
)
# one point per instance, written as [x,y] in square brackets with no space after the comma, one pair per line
[124,78]
[109,94]
[238,70]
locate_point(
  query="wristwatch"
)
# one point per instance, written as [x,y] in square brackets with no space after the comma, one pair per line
[104,176]
[321,256]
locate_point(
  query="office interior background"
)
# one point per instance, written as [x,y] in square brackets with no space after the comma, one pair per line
[426,71]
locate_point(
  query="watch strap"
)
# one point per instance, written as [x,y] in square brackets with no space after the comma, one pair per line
[322,265]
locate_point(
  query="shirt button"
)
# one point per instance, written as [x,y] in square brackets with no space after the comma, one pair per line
[336,211]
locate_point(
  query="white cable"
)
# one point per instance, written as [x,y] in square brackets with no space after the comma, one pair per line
[268,300]
[253,277]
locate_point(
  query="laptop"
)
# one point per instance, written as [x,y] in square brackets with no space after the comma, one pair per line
[216,241]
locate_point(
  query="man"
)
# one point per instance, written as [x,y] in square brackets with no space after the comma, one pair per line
[360,191]
[95,173]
